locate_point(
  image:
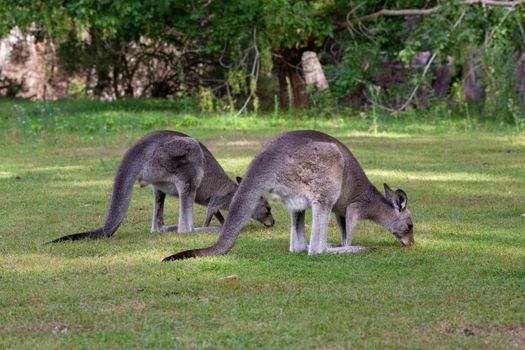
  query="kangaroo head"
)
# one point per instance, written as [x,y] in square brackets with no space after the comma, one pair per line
[262,211]
[400,220]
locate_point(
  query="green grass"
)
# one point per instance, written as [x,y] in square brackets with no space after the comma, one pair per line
[89,121]
[466,270]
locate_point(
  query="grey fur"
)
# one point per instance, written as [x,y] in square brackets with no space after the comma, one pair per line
[177,165]
[312,169]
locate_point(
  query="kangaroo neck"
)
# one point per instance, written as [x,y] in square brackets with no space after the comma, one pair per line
[377,208]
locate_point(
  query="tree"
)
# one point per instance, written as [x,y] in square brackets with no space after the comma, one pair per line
[225,44]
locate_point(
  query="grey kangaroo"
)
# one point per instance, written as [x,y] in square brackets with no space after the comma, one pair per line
[312,169]
[177,165]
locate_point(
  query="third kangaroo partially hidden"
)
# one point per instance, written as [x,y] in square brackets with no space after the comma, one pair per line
[312,169]
[178,165]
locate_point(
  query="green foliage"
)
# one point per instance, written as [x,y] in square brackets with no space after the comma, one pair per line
[323,104]
[517,113]
[256,104]
[224,37]
[237,81]
[206,100]
[359,65]
[296,22]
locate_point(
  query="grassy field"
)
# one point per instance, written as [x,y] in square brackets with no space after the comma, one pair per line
[462,285]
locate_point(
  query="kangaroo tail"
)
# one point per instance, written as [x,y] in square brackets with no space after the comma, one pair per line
[241,208]
[127,173]
[99,233]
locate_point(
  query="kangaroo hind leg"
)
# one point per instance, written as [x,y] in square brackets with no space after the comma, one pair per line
[320,219]
[186,199]
[157,221]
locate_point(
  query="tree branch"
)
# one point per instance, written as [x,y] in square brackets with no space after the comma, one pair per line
[432,10]
[494,3]
[402,13]
[254,73]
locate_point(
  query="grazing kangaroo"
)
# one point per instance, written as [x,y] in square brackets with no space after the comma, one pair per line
[177,165]
[312,169]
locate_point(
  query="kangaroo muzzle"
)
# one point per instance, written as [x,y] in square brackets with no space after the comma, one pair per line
[269,222]
[407,240]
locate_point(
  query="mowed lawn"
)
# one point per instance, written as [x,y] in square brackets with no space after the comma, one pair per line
[462,285]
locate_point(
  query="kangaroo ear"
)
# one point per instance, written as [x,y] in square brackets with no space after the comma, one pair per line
[389,194]
[239,179]
[401,199]
[397,198]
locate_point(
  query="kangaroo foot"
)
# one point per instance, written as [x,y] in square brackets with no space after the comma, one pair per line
[206,229]
[194,230]
[165,228]
[348,249]
[298,247]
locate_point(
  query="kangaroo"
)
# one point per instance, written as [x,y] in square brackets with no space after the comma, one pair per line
[177,165]
[312,169]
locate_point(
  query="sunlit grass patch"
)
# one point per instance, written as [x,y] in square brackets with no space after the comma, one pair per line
[438,176]
[6,174]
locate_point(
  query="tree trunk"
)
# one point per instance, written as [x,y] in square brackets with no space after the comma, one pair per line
[103,81]
[116,84]
[313,71]
[289,73]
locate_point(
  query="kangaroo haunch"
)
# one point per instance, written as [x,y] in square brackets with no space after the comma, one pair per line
[312,169]
[177,165]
